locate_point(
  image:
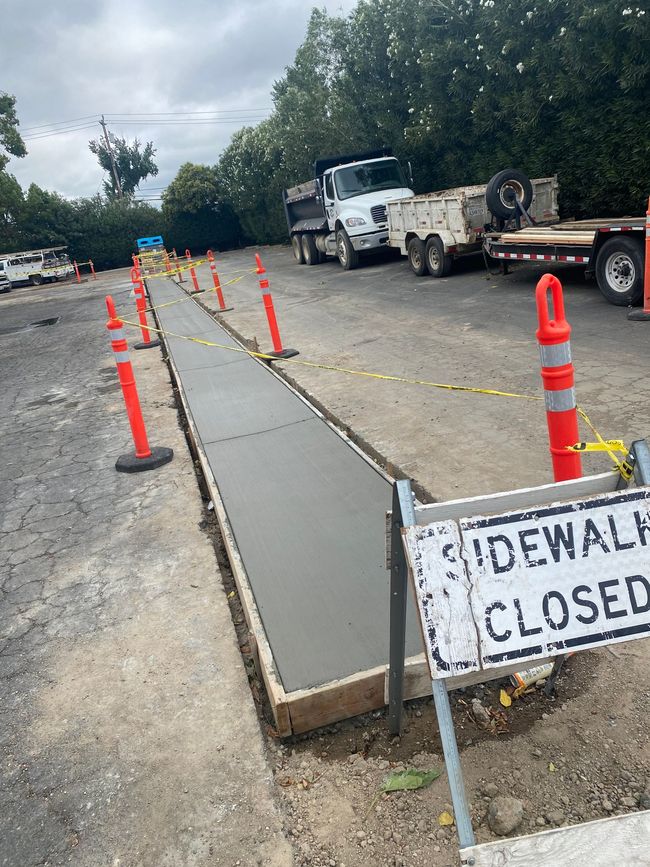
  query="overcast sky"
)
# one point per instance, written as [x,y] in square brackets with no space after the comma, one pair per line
[80,58]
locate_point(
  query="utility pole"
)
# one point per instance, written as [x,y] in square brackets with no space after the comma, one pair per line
[118,185]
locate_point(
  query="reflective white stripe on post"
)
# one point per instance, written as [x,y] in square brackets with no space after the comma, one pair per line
[121,357]
[560,401]
[117,334]
[555,355]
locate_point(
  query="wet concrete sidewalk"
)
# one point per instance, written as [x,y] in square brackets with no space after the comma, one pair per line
[307,510]
[128,735]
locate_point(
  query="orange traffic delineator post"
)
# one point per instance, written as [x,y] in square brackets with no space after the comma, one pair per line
[558,378]
[278,350]
[217,283]
[92,269]
[188,256]
[76,270]
[178,271]
[145,457]
[168,266]
[141,307]
[644,315]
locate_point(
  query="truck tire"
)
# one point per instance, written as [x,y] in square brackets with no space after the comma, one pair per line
[415,253]
[36,279]
[310,254]
[437,261]
[619,271]
[296,243]
[500,188]
[348,256]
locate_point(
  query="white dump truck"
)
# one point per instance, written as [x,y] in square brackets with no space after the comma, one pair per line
[342,210]
[435,228]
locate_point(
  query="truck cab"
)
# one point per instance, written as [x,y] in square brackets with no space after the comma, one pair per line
[342,211]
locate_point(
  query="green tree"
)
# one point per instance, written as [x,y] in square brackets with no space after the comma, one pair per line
[12,204]
[133,163]
[196,211]
[11,143]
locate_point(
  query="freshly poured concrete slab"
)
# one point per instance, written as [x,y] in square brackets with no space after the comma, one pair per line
[307,511]
[235,400]
[188,355]
[317,563]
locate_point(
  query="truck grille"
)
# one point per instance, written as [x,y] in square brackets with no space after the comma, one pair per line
[378,213]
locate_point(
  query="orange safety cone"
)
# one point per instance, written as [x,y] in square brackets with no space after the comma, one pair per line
[76,270]
[278,350]
[141,307]
[145,457]
[188,256]
[217,283]
[178,269]
[558,378]
[644,315]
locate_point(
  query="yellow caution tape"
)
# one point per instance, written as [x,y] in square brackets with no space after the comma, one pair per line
[605,446]
[176,270]
[623,466]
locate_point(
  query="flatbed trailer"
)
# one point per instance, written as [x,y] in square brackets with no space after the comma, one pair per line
[611,249]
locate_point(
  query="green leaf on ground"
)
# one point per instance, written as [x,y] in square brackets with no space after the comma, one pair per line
[409,779]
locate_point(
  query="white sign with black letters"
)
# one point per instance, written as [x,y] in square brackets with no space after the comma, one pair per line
[529,584]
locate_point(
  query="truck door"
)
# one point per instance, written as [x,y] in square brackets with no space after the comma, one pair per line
[328,194]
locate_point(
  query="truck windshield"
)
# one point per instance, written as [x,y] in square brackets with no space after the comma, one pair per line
[368,177]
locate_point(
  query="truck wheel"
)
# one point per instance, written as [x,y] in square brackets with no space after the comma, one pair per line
[348,256]
[310,253]
[36,279]
[296,243]
[500,189]
[619,271]
[437,261]
[415,253]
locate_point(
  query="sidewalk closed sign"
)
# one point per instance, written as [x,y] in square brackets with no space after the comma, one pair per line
[523,585]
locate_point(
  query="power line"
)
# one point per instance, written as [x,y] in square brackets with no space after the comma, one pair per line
[159,113]
[61,122]
[38,136]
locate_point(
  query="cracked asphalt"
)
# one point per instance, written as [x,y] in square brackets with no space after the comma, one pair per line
[128,735]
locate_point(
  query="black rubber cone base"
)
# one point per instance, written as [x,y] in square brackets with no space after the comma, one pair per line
[286,353]
[197,292]
[639,315]
[149,345]
[223,309]
[159,456]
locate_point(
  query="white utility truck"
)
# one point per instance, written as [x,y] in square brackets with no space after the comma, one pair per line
[36,266]
[342,210]
[435,228]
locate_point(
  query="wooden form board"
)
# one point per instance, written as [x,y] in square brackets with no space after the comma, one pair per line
[623,840]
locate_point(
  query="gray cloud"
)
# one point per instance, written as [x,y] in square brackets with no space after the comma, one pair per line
[72,59]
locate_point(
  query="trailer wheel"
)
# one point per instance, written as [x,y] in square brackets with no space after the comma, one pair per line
[499,193]
[415,252]
[296,243]
[310,253]
[348,256]
[619,271]
[437,261]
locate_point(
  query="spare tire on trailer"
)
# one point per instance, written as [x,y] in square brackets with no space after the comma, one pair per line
[498,193]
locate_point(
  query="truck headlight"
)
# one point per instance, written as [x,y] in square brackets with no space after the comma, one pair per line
[355,221]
